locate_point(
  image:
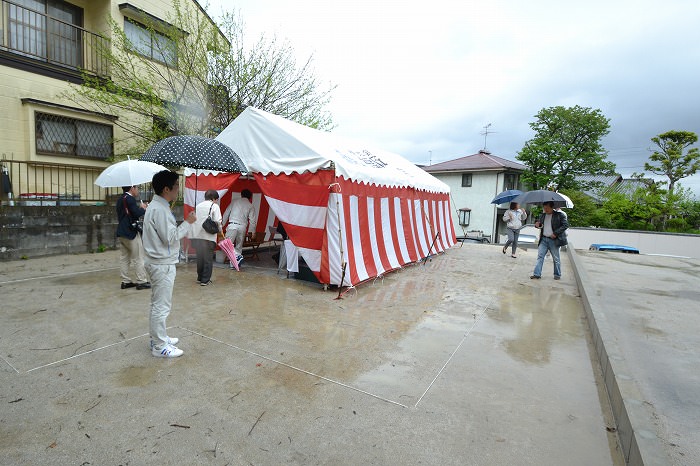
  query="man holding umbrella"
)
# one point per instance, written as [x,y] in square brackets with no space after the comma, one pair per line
[161,241]
[553,225]
[130,244]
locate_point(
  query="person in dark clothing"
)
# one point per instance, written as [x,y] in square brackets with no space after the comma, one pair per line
[553,225]
[129,210]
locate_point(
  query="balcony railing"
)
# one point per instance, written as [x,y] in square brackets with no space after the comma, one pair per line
[37,36]
[49,184]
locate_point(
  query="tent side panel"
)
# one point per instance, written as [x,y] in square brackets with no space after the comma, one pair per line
[300,201]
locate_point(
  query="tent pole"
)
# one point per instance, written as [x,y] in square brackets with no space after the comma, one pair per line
[343,263]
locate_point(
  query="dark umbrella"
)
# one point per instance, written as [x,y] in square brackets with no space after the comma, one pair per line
[6,183]
[195,152]
[506,196]
[541,196]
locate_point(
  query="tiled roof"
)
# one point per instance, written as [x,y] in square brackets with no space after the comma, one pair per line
[483,160]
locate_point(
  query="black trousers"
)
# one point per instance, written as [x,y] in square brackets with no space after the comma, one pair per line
[205,258]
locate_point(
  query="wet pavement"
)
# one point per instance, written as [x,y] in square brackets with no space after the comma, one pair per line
[463,360]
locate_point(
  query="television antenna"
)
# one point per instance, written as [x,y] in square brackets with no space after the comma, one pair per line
[485,133]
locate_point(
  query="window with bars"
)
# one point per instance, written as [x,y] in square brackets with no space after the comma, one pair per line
[151,44]
[59,135]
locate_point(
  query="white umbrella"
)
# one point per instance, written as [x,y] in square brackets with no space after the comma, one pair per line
[569,202]
[128,173]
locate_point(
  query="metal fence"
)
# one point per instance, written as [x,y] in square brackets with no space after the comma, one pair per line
[40,36]
[48,184]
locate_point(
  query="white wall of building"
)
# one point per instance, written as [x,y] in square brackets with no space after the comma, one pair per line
[485,185]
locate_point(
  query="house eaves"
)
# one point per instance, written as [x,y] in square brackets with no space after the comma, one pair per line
[480,162]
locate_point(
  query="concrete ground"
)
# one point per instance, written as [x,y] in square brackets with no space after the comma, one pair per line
[646,328]
[463,360]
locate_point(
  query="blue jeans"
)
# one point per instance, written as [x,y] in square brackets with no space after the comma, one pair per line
[547,244]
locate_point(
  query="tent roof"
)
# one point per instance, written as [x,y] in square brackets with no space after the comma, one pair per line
[268,143]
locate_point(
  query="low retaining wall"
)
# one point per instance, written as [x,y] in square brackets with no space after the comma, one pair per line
[639,444]
[34,231]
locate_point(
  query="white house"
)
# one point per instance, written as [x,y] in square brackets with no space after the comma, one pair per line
[474,180]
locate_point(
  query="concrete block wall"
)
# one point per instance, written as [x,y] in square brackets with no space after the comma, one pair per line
[34,231]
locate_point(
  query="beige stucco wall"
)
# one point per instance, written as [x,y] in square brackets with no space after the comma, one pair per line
[17,124]
[17,119]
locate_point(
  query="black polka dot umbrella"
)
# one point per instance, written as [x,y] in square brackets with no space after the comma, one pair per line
[195,152]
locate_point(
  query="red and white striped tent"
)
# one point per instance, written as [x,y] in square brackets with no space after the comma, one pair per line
[339,201]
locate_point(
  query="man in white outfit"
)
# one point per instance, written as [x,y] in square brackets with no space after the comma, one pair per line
[161,243]
[239,214]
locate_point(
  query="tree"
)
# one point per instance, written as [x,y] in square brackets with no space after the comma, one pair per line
[267,77]
[584,208]
[566,145]
[670,160]
[176,78]
[157,86]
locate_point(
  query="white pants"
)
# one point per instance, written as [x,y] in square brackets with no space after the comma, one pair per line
[162,283]
[131,260]
[237,233]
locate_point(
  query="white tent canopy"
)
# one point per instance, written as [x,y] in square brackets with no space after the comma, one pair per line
[271,144]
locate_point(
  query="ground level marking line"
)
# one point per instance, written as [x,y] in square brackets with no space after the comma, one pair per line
[297,368]
[466,334]
[87,352]
[8,363]
[20,280]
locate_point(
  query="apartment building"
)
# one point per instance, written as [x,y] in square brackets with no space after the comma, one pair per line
[51,148]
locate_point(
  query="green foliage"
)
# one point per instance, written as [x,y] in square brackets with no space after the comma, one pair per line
[584,209]
[567,144]
[670,160]
[649,209]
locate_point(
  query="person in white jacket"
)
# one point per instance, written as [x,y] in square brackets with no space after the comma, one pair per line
[161,243]
[514,218]
[203,241]
[240,214]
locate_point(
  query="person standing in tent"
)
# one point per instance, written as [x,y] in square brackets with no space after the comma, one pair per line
[239,214]
[203,241]
[161,241]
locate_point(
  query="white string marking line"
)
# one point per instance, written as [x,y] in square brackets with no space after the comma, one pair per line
[87,352]
[298,369]
[8,363]
[468,332]
[20,280]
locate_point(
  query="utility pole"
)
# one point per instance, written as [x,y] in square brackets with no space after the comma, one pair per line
[430,161]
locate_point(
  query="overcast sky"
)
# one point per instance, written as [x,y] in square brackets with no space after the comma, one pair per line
[422,77]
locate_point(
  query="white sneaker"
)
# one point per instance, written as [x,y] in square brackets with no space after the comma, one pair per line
[171,341]
[168,351]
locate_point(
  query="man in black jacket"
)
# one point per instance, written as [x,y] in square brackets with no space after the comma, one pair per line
[553,226]
[129,211]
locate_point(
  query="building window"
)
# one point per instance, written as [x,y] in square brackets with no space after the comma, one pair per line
[464,216]
[59,135]
[150,43]
[466,180]
[47,30]
[511,181]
